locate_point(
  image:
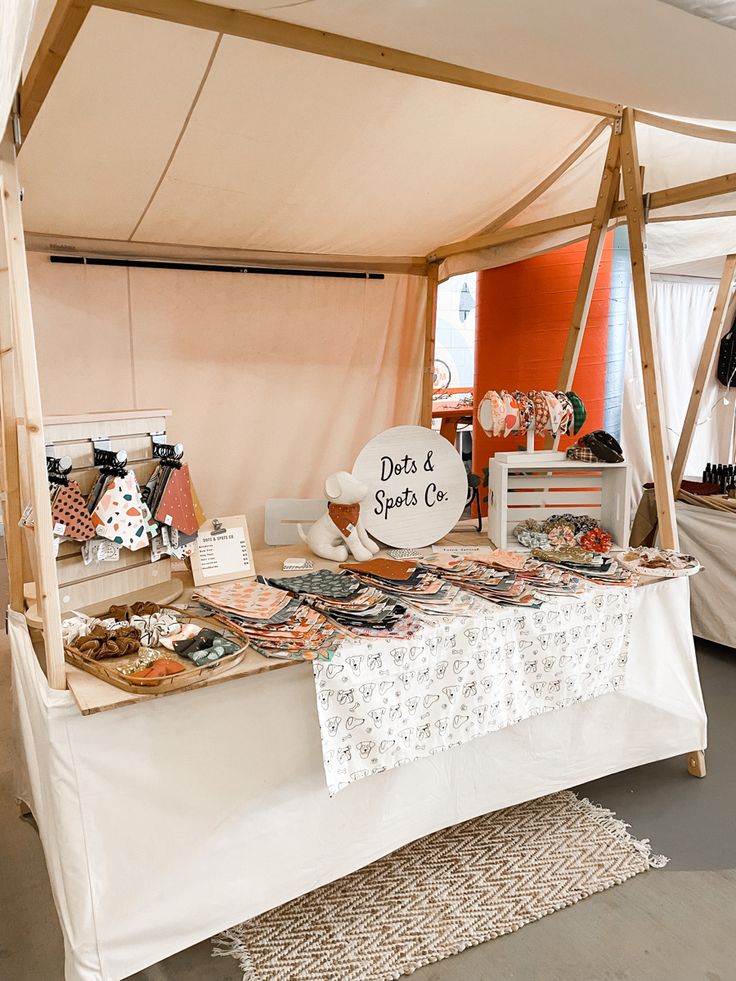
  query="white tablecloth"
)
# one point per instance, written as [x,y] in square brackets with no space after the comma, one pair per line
[167,821]
[711,537]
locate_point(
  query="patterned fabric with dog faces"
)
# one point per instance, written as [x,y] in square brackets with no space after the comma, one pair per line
[388,702]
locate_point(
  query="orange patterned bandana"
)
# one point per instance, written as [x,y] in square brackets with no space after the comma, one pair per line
[344,516]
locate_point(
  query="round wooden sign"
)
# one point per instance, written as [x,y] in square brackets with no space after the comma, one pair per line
[417,486]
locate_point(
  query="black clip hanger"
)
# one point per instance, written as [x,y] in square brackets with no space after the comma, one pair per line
[57,468]
[111,462]
[168,454]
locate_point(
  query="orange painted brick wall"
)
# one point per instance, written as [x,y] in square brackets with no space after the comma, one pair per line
[523,317]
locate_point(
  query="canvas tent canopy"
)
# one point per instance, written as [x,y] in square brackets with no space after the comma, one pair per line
[160,133]
[185,130]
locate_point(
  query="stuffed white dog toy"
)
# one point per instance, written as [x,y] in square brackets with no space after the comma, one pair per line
[340,528]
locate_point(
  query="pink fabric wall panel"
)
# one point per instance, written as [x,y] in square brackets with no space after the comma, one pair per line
[274,381]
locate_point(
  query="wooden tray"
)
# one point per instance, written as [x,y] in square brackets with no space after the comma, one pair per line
[107,671]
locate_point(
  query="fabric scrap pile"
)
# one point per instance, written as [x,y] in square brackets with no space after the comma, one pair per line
[360,609]
[275,623]
[526,586]
[592,567]
[424,593]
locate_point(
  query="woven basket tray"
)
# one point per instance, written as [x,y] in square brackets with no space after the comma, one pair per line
[107,671]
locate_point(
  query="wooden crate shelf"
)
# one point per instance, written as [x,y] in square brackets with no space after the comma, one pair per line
[522,487]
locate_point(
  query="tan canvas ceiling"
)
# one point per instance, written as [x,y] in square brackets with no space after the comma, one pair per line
[171,135]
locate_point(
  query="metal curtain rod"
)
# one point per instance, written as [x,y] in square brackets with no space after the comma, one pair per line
[212,267]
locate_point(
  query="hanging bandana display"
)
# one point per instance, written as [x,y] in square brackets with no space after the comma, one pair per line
[176,506]
[119,514]
[70,515]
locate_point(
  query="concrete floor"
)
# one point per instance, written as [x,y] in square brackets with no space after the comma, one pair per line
[675,925]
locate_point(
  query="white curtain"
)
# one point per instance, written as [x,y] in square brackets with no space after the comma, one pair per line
[681,312]
[16,17]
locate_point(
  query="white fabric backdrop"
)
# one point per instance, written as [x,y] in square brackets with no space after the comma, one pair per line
[711,536]
[217,808]
[681,312]
[274,381]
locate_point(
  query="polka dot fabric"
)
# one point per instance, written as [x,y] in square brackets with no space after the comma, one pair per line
[176,508]
[69,510]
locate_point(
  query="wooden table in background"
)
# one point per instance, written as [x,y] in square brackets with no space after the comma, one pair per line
[451,418]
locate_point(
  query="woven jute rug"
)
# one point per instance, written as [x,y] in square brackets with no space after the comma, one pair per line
[441,894]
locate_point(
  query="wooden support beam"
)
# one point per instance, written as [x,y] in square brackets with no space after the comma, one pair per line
[698,216]
[696,130]
[647,341]
[254,27]
[523,203]
[684,193]
[502,236]
[607,193]
[12,507]
[24,343]
[430,327]
[721,318]
[115,249]
[63,26]
[681,194]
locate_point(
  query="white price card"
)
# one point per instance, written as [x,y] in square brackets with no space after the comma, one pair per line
[222,551]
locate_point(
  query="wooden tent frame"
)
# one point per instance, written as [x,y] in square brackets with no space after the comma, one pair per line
[18,369]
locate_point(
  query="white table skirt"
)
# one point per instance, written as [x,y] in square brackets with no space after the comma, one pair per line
[167,821]
[711,536]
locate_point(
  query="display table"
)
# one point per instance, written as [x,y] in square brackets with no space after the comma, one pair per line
[711,537]
[166,821]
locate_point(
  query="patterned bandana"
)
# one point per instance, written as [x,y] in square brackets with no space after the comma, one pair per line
[69,512]
[119,514]
[344,516]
